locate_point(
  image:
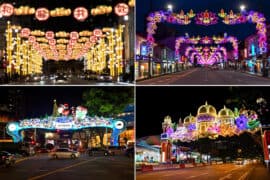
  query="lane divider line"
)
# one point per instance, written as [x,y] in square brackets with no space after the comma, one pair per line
[60,169]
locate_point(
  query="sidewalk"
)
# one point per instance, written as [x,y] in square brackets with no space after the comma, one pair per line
[160,75]
[260,172]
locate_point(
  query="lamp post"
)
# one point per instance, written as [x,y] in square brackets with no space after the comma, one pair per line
[150,65]
[170,7]
[242,7]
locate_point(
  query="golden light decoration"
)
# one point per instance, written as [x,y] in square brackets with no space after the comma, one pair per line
[32,39]
[74,35]
[83,39]
[97,32]
[42,14]
[25,32]
[6,9]
[121,9]
[24,10]
[80,13]
[131,3]
[62,41]
[85,33]
[58,12]
[49,35]
[42,39]
[37,33]
[62,34]
[100,10]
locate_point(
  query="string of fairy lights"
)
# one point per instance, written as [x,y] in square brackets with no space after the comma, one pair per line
[26,48]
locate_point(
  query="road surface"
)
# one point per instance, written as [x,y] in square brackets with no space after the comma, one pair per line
[206,76]
[214,172]
[83,168]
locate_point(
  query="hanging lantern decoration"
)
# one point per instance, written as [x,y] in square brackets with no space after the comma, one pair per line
[42,14]
[49,35]
[6,9]
[32,39]
[74,35]
[206,18]
[72,41]
[52,42]
[121,9]
[93,39]
[80,13]
[97,32]
[25,32]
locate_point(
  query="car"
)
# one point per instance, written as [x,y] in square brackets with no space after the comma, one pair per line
[43,150]
[104,77]
[7,159]
[239,161]
[64,153]
[100,152]
[61,79]
[117,150]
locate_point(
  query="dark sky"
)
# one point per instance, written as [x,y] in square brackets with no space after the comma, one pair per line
[240,31]
[68,23]
[38,101]
[154,103]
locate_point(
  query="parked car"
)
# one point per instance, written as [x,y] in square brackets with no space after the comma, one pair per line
[7,159]
[100,152]
[43,150]
[64,153]
[117,150]
[239,161]
[104,77]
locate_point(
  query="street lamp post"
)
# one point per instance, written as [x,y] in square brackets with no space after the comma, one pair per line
[170,7]
[150,65]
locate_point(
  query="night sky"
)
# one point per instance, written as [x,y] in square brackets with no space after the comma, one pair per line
[154,103]
[241,31]
[38,101]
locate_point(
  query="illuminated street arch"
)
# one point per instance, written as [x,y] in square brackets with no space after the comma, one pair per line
[66,123]
[208,123]
[207,18]
[206,55]
[207,41]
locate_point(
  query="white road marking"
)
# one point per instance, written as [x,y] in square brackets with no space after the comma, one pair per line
[228,176]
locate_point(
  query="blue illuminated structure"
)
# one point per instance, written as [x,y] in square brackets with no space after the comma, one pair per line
[66,123]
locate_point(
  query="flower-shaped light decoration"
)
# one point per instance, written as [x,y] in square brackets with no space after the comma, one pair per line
[206,18]
[253,122]
[241,122]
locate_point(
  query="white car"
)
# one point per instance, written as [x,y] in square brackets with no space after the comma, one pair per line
[64,153]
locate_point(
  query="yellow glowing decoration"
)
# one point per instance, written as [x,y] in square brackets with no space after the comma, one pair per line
[58,12]
[24,10]
[100,10]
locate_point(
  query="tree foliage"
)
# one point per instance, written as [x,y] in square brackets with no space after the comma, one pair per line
[108,101]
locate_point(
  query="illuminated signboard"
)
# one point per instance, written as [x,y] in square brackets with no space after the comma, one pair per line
[66,123]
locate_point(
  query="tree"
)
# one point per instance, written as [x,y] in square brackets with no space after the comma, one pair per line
[107,102]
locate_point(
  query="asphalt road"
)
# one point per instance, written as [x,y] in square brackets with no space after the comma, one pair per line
[214,172]
[206,76]
[70,82]
[83,168]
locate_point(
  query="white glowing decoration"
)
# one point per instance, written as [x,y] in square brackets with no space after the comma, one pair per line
[119,125]
[12,127]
